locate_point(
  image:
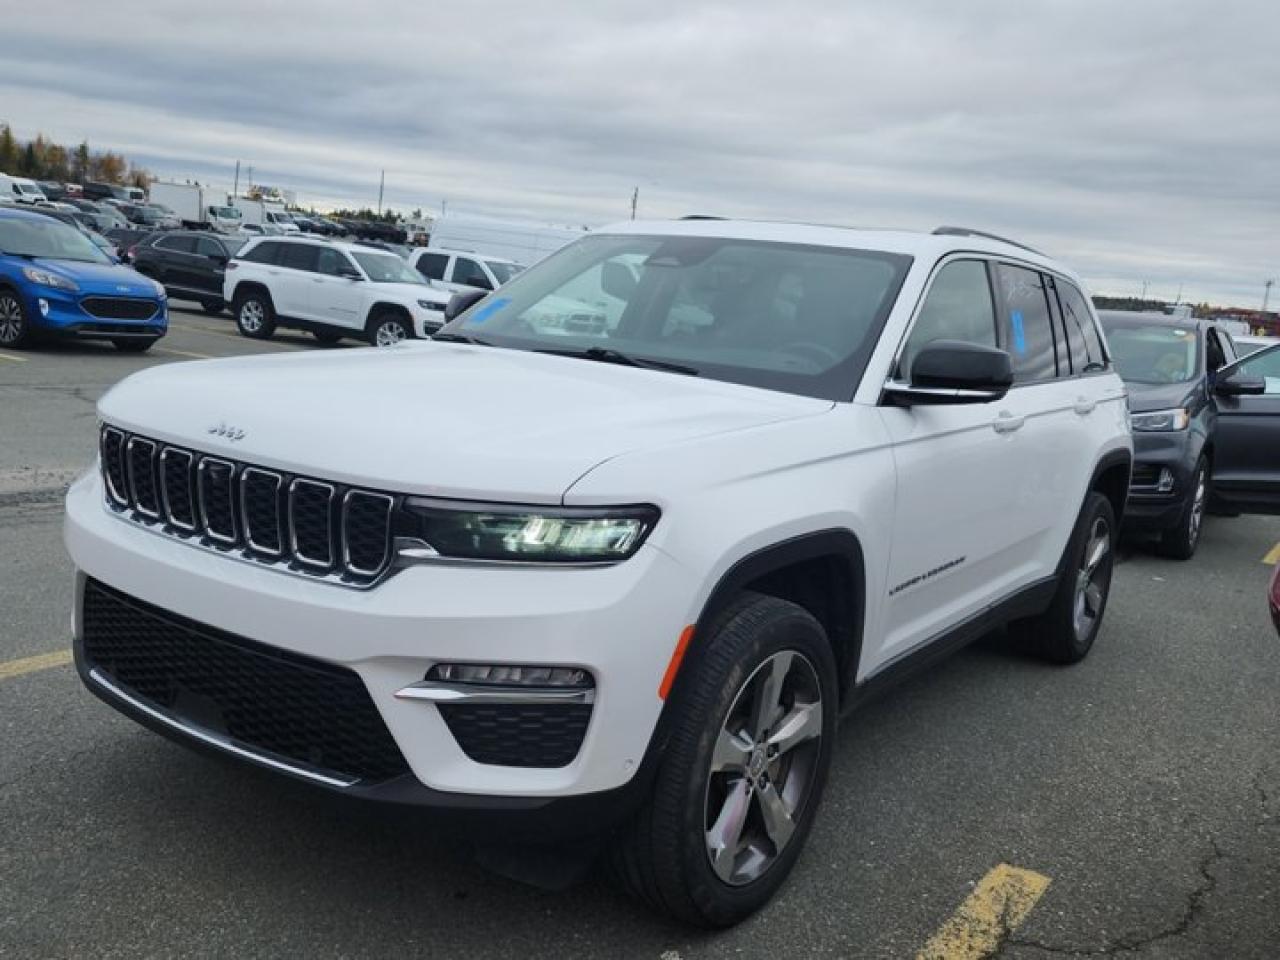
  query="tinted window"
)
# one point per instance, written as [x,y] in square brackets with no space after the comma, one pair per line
[1028,325]
[1083,342]
[333,262]
[299,256]
[208,247]
[431,265]
[958,306]
[468,272]
[177,244]
[263,253]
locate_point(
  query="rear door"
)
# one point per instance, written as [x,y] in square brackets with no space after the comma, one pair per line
[1246,471]
[291,283]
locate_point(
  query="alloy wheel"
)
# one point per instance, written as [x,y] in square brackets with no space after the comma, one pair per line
[763,767]
[389,334]
[252,316]
[1197,507]
[11,319]
[1090,587]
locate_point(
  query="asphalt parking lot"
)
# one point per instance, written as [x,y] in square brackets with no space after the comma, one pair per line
[1141,788]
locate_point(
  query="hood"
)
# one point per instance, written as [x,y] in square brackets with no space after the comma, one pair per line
[437,419]
[1144,397]
[101,277]
[410,293]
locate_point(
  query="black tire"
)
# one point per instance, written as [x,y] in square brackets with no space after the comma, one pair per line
[1180,541]
[255,316]
[662,854]
[326,337]
[213,306]
[1054,635]
[15,328]
[387,328]
[133,345]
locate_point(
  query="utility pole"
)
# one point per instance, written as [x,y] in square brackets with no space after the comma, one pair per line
[1179,300]
[1144,289]
[635,197]
[382,180]
[235,191]
[1266,294]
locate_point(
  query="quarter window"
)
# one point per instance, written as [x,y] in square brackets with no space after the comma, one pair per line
[957,307]
[208,247]
[1028,324]
[431,265]
[1083,342]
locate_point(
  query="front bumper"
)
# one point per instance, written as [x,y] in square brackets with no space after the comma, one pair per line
[1155,455]
[63,313]
[620,623]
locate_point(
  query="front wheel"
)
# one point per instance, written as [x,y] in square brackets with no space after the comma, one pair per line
[255,317]
[1181,540]
[15,331]
[388,329]
[737,790]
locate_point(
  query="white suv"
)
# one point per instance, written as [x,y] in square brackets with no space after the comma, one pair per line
[632,577]
[461,271]
[334,290]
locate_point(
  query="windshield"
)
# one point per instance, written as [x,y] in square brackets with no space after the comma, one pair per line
[47,238]
[225,213]
[387,268]
[802,319]
[30,189]
[503,271]
[1152,353]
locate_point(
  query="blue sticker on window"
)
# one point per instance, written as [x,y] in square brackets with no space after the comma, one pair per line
[488,310]
[1019,333]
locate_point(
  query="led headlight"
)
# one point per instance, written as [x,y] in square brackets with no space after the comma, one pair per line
[525,534]
[47,279]
[430,305]
[1160,421]
[160,291]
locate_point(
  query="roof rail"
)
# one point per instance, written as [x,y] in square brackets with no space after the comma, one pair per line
[702,216]
[966,232]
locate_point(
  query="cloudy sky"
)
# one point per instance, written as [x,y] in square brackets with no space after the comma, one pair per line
[1139,140]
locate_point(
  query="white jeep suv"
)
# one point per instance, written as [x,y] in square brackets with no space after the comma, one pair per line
[332,289]
[632,577]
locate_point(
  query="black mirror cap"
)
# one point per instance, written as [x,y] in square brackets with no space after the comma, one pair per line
[959,365]
[460,303]
[1240,386]
[617,281]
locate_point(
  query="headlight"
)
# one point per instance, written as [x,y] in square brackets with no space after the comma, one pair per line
[520,534]
[159,289]
[430,305]
[47,279]
[1160,421]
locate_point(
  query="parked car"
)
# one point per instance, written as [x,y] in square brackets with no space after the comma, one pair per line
[281,221]
[55,282]
[53,189]
[1247,344]
[460,270]
[1246,473]
[623,582]
[20,189]
[1173,370]
[332,289]
[126,240]
[56,205]
[106,191]
[252,229]
[145,216]
[191,264]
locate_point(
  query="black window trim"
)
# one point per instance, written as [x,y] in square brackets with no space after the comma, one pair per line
[159,242]
[1058,279]
[1003,319]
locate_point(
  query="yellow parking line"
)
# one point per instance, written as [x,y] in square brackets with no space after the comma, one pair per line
[184,353]
[1273,557]
[9,356]
[43,661]
[998,905]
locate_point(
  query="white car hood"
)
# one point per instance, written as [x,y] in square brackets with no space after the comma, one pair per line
[436,419]
[409,293]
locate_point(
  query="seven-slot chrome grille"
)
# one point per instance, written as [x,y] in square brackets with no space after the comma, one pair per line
[308,526]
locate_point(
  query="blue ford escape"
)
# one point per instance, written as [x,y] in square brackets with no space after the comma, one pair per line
[55,282]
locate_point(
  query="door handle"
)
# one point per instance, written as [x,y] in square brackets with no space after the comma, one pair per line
[1006,422]
[1084,406]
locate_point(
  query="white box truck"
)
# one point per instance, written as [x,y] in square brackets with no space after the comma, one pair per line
[524,242]
[197,206]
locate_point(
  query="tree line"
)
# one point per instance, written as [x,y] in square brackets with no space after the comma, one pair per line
[42,159]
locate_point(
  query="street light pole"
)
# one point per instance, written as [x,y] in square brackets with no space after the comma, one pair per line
[1266,294]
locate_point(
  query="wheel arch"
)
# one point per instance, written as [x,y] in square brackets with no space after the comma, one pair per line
[380,307]
[251,286]
[1111,479]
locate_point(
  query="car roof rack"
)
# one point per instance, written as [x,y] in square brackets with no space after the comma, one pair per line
[967,232]
[702,216]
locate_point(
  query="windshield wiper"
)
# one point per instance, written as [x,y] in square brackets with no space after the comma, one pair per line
[609,355]
[460,338]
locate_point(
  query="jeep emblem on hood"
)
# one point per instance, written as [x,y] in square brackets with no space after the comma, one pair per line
[231,433]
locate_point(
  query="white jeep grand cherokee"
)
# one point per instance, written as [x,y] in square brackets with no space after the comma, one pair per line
[623,574]
[332,289]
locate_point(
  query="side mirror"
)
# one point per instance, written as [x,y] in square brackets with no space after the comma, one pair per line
[954,371]
[349,273]
[617,281]
[1237,386]
[460,303]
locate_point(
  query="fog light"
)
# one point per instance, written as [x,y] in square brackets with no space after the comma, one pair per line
[1165,483]
[503,675]
[43,304]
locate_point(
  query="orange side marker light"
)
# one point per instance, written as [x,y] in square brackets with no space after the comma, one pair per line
[669,678]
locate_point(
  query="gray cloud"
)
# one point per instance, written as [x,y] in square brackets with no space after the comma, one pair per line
[1136,140]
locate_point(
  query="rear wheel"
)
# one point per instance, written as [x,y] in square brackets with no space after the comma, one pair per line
[1065,632]
[14,329]
[746,762]
[133,346]
[255,317]
[1181,541]
[388,329]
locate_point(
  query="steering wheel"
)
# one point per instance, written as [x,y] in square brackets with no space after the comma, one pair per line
[813,348]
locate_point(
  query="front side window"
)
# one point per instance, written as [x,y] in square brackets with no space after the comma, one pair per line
[958,306]
[469,273]
[790,317]
[431,265]
[333,263]
[1028,324]
[1152,352]
[1083,343]
[387,268]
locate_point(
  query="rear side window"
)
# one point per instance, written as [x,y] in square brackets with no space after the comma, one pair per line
[299,256]
[177,244]
[1084,346]
[958,306]
[1028,324]
[208,247]
[431,265]
[262,253]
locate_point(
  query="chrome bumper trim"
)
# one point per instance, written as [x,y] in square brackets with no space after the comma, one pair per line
[437,691]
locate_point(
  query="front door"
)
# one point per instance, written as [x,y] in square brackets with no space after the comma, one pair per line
[336,299]
[1246,468]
